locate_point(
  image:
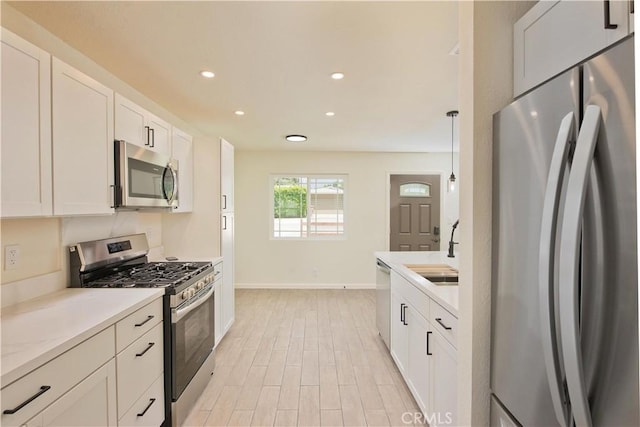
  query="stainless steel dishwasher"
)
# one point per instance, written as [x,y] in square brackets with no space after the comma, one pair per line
[383,300]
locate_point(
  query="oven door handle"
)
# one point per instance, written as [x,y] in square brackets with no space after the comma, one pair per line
[178,314]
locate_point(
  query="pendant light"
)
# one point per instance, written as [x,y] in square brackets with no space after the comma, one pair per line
[452,178]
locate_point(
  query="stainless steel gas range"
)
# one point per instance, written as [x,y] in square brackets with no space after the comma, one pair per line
[121,262]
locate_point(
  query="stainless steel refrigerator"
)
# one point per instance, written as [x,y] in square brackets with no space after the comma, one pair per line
[564,345]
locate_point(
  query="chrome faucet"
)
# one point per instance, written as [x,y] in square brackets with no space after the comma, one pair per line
[451,242]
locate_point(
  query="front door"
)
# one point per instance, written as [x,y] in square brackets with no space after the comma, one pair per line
[415,213]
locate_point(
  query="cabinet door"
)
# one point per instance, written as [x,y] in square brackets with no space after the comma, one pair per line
[228,296]
[443,391]
[419,358]
[160,134]
[90,403]
[399,333]
[226,175]
[26,128]
[82,143]
[182,144]
[130,122]
[217,330]
[553,36]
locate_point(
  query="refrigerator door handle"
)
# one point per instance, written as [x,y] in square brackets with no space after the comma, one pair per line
[548,231]
[570,263]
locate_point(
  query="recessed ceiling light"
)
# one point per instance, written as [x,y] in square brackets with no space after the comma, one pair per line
[239,113]
[330,113]
[207,74]
[337,76]
[296,138]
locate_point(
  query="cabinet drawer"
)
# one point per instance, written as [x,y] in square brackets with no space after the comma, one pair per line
[148,410]
[138,367]
[137,324]
[445,322]
[410,293]
[56,374]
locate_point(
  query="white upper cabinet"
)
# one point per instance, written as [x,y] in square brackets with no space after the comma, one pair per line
[26,128]
[136,125]
[226,175]
[182,144]
[82,143]
[554,36]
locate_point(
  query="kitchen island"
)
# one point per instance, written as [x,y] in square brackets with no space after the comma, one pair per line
[423,328]
[446,296]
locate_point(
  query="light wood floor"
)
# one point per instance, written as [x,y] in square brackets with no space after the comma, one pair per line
[307,358]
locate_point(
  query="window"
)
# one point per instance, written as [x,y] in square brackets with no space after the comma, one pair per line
[308,207]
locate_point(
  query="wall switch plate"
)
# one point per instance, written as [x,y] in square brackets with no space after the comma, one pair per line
[11,257]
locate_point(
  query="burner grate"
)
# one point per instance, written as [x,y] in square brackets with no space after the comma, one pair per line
[151,275]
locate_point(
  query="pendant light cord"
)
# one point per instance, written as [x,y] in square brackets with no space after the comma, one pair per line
[452,116]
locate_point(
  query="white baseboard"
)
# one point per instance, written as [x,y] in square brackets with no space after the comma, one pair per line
[305,285]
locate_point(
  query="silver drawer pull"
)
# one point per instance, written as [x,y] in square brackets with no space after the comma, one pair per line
[43,390]
[144,321]
[151,344]
[151,402]
[439,320]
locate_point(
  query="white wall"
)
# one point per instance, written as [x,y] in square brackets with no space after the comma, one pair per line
[43,241]
[486,85]
[261,261]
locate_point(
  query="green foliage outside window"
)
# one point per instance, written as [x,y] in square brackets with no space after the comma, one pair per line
[290,201]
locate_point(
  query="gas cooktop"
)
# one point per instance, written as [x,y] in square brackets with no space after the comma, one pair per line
[151,275]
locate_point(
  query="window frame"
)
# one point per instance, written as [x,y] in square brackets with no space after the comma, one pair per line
[272,180]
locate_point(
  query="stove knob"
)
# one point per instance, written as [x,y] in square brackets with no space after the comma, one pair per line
[200,285]
[193,292]
[185,294]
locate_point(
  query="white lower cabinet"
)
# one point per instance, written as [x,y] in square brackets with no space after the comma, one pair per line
[148,410]
[217,321]
[91,385]
[423,349]
[420,357]
[90,403]
[399,332]
[444,366]
[138,367]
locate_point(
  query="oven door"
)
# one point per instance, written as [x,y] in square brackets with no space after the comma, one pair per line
[145,178]
[192,337]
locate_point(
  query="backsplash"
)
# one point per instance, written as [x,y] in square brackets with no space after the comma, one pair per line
[44,257]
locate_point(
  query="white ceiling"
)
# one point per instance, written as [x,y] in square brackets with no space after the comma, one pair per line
[273,60]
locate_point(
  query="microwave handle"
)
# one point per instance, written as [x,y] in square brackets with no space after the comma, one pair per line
[174,175]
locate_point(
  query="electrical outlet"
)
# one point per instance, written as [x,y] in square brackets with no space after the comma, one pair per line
[11,257]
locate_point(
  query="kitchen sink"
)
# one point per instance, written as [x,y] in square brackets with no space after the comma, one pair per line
[438,274]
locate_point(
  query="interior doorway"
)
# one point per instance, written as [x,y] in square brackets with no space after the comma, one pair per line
[414,204]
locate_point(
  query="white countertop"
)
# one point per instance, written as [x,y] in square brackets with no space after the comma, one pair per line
[447,296]
[36,331]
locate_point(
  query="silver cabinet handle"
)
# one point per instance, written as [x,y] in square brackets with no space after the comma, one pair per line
[546,285]
[569,269]
[148,135]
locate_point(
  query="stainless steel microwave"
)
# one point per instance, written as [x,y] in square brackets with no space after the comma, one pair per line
[144,178]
